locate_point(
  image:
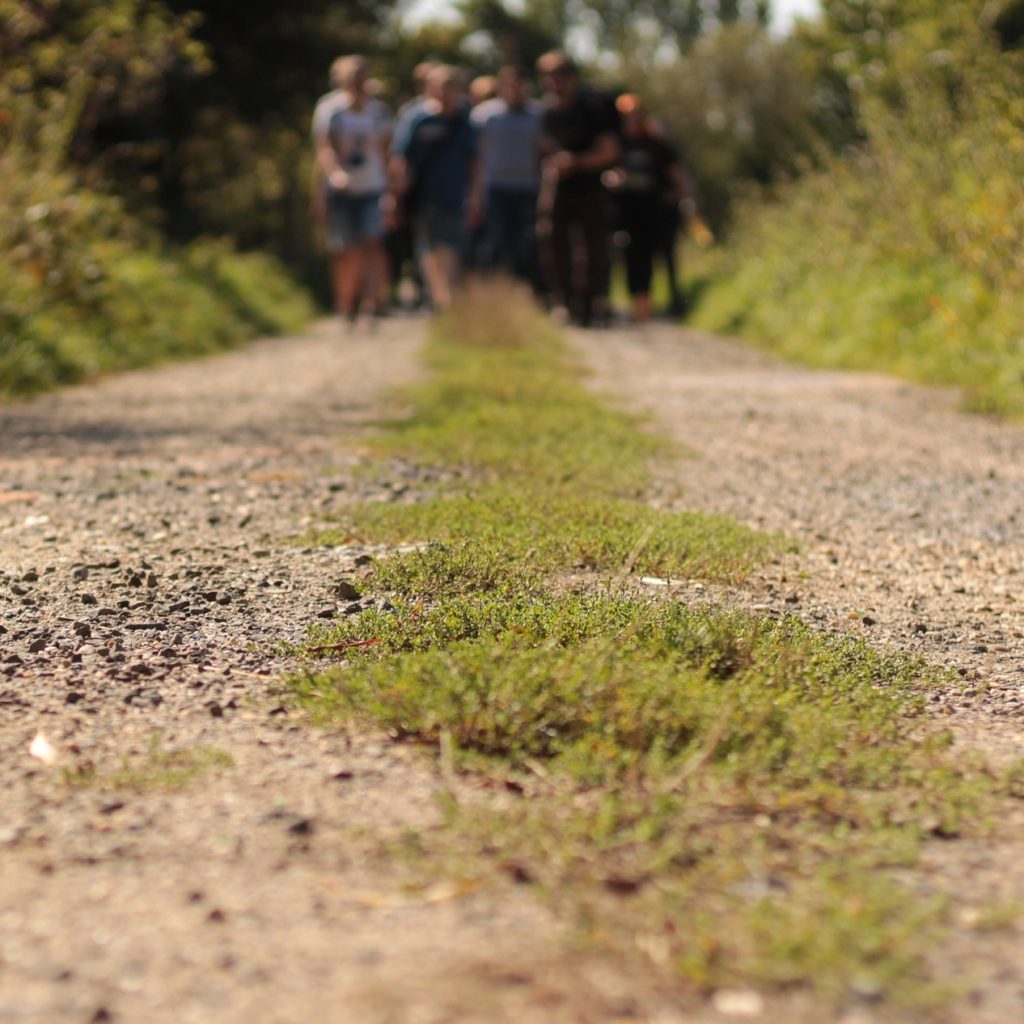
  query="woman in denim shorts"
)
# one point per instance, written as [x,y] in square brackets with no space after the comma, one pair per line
[352,157]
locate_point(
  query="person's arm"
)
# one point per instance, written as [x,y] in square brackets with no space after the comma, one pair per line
[689,206]
[398,174]
[475,199]
[476,192]
[684,192]
[327,161]
[399,162]
[602,155]
[327,158]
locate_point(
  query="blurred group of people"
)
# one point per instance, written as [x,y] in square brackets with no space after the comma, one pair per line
[481,176]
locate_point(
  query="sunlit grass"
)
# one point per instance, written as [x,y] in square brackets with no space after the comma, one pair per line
[86,291]
[158,768]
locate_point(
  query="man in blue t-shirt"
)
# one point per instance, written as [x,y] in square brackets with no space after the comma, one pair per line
[434,167]
[509,127]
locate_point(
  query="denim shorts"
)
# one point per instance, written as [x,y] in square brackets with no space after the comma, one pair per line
[352,219]
[439,228]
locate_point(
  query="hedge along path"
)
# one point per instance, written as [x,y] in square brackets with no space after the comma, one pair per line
[740,800]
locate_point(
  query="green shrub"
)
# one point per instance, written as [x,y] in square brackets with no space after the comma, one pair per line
[86,289]
[904,257]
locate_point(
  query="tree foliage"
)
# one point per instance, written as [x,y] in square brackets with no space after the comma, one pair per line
[737,103]
[68,65]
[623,25]
[902,252]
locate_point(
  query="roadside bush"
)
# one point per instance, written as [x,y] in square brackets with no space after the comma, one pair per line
[87,284]
[86,289]
[904,256]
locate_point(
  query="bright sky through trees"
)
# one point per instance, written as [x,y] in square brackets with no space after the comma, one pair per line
[785,11]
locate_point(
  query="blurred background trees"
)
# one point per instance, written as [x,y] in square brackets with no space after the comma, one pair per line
[160,122]
[191,116]
[195,116]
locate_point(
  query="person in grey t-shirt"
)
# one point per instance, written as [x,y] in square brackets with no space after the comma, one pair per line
[509,129]
[336,99]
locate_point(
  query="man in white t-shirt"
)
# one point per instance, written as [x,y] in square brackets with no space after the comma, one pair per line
[351,155]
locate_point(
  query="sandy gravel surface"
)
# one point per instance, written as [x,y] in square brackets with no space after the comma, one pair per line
[910,521]
[145,591]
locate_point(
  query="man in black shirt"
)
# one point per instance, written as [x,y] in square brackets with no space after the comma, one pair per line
[578,143]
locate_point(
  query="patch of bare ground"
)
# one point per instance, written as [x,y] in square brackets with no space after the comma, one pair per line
[907,513]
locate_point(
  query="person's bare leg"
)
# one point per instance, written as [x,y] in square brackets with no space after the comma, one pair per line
[380,285]
[448,259]
[642,308]
[371,254]
[351,272]
[439,266]
[337,268]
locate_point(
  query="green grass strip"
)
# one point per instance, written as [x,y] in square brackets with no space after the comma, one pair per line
[738,799]
[555,478]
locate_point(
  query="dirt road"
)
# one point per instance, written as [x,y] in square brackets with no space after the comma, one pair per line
[146,587]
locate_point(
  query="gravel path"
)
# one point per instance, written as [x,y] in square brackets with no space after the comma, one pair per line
[145,590]
[910,520]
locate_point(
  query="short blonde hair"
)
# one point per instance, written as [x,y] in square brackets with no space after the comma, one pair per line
[444,74]
[483,87]
[422,72]
[345,68]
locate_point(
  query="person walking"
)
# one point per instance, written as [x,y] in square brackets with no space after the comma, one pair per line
[352,156]
[398,240]
[509,131]
[577,144]
[434,172]
[333,100]
[647,175]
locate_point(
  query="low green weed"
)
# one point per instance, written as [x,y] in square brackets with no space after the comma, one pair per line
[505,401]
[748,788]
[542,532]
[555,478]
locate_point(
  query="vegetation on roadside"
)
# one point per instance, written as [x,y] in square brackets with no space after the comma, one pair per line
[78,301]
[736,798]
[87,282]
[902,253]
